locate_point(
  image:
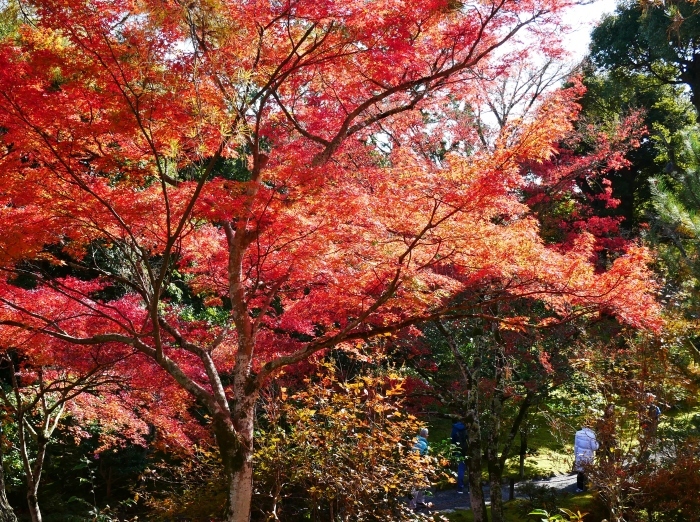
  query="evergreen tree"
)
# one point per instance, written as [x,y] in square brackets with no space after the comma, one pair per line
[666,114]
[659,40]
[677,224]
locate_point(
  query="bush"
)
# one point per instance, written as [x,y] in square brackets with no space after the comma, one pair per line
[339,451]
[537,497]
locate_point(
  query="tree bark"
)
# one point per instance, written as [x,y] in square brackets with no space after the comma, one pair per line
[523,452]
[494,464]
[234,436]
[241,490]
[33,481]
[240,493]
[476,494]
[32,473]
[33,504]
[6,512]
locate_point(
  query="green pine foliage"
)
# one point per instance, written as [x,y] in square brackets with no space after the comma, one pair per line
[676,230]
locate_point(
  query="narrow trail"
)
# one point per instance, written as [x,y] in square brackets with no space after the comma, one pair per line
[449,499]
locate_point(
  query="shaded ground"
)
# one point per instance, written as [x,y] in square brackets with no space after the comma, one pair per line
[450,499]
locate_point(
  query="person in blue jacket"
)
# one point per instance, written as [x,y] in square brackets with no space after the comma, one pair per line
[459,439]
[421,447]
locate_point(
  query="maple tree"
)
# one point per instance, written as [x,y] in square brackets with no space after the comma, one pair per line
[480,381]
[52,380]
[38,406]
[493,374]
[224,189]
[492,379]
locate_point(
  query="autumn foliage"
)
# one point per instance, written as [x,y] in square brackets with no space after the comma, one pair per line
[218,190]
[340,449]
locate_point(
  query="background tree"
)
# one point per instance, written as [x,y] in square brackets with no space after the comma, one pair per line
[676,224]
[42,387]
[341,450]
[38,409]
[620,367]
[647,59]
[613,94]
[660,40]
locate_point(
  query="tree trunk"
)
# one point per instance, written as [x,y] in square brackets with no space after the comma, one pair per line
[523,452]
[6,512]
[32,472]
[494,464]
[496,498]
[476,494]
[33,481]
[241,492]
[235,440]
[33,504]
[497,463]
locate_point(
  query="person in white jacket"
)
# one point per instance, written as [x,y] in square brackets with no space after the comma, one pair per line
[585,446]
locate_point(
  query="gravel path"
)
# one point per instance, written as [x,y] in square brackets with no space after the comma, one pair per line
[450,499]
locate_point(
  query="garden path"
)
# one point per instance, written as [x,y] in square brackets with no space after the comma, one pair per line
[450,499]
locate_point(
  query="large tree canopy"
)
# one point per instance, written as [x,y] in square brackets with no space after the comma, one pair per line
[222,189]
[661,40]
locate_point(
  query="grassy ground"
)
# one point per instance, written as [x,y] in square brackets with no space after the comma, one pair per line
[547,454]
